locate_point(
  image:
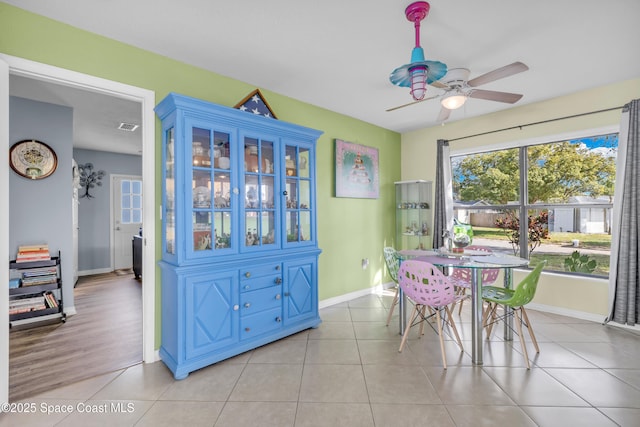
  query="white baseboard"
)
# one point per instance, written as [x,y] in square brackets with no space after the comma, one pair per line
[593,317]
[353,295]
[567,312]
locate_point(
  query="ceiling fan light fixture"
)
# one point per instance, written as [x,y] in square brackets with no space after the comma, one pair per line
[453,101]
[420,72]
[418,82]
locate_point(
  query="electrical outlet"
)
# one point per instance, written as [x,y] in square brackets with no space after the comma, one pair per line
[365,263]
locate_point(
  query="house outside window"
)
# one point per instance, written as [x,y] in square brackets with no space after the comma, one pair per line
[550,200]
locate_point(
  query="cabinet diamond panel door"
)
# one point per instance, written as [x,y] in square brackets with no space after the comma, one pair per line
[300,296]
[213,320]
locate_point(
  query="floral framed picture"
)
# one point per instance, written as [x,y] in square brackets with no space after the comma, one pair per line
[357,172]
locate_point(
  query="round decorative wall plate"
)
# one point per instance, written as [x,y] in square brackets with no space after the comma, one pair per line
[32,159]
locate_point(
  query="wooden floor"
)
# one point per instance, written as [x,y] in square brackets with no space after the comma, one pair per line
[105,335]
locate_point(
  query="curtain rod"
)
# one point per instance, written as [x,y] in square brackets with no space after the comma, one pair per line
[536,123]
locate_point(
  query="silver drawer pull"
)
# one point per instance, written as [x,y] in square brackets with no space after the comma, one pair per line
[247,305]
[247,274]
[247,287]
[236,307]
[278,296]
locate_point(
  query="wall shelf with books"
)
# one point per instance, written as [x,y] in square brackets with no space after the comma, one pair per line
[35,291]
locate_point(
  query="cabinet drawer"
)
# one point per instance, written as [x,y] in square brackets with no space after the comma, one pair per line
[260,282]
[259,323]
[262,299]
[251,272]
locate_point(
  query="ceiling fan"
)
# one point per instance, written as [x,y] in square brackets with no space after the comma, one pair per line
[457,88]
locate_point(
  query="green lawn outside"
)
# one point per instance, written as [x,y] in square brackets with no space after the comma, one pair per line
[593,241]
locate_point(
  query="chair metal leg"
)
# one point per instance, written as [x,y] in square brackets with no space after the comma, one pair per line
[414,314]
[530,329]
[522,343]
[393,305]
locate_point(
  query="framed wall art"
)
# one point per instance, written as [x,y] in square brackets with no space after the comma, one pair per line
[357,172]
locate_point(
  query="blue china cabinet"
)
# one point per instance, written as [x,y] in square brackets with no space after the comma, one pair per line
[239,241]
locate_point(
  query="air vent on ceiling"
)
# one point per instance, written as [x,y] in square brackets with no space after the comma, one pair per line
[128,127]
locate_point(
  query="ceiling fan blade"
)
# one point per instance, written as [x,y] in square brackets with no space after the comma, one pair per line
[492,95]
[411,103]
[439,85]
[500,73]
[444,115]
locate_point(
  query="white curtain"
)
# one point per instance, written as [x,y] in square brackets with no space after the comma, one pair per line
[624,273]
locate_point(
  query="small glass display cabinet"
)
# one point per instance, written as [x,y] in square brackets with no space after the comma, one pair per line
[413,215]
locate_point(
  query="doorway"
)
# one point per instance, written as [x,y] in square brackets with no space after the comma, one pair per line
[126,218]
[146,99]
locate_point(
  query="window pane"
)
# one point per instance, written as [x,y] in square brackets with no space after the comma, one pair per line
[486,178]
[570,189]
[578,171]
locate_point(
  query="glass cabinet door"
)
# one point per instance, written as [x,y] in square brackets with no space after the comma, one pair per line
[297,194]
[170,193]
[259,192]
[211,190]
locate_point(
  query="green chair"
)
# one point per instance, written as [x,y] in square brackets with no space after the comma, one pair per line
[515,299]
[392,259]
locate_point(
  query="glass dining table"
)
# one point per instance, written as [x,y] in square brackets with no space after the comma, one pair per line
[476,261]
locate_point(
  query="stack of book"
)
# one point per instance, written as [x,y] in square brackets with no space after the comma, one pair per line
[50,300]
[25,305]
[33,253]
[40,276]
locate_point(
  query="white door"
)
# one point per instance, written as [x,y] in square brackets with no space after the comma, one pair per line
[74,219]
[126,193]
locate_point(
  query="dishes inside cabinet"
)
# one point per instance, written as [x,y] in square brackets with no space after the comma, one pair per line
[201,197]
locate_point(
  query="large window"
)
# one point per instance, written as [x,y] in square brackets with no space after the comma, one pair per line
[548,201]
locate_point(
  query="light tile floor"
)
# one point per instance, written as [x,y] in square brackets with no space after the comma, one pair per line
[348,372]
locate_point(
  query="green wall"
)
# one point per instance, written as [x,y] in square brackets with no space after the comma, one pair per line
[349,229]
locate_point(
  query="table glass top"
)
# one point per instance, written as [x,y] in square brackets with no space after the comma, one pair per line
[476,259]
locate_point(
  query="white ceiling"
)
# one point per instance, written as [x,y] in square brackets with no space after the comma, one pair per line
[338,54]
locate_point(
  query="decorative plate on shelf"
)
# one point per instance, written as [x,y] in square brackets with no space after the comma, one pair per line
[201,197]
[32,159]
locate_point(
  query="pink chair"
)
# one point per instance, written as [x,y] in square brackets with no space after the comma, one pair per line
[461,277]
[428,287]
